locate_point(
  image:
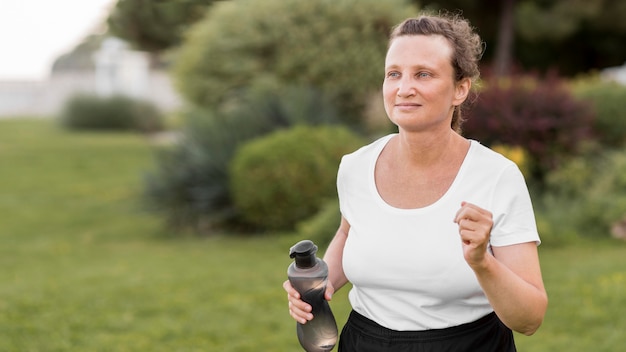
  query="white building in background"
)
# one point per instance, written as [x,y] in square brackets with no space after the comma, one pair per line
[617,74]
[118,70]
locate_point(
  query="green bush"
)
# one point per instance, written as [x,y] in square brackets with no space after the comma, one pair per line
[190,185]
[337,46]
[283,178]
[585,196]
[321,227]
[609,103]
[92,112]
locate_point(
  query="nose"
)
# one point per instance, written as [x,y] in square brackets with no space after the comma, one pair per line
[406,87]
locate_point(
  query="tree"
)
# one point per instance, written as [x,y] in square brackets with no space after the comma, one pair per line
[155,25]
[572,35]
[493,22]
[504,49]
[335,46]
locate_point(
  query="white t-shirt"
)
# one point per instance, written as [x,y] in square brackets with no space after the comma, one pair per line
[406,266]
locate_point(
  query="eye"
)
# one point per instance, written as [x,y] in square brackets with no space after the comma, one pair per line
[393,74]
[423,74]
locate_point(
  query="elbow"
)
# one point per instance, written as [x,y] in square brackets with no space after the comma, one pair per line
[530,329]
[533,324]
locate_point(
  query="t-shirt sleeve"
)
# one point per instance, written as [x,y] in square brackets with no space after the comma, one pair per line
[513,215]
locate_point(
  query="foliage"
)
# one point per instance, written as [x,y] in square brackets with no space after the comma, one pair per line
[609,104]
[283,178]
[117,112]
[322,227]
[487,20]
[586,195]
[190,184]
[542,117]
[335,46]
[557,21]
[516,154]
[152,25]
[571,35]
[494,23]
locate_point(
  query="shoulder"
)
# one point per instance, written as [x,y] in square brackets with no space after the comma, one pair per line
[487,159]
[368,150]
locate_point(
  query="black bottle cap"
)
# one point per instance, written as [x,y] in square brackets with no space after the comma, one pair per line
[304,253]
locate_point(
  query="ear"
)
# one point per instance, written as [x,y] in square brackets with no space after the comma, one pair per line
[461,91]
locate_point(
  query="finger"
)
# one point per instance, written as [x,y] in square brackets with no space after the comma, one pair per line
[476,208]
[464,212]
[290,290]
[468,213]
[301,315]
[468,236]
[467,224]
[295,300]
[298,309]
[330,290]
[459,214]
[299,304]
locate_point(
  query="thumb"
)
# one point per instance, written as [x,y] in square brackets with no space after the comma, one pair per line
[330,290]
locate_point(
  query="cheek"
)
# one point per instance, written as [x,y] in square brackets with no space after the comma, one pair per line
[388,101]
[389,93]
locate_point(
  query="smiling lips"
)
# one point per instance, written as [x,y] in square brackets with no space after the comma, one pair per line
[407,106]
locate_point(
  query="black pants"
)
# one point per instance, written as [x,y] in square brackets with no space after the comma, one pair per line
[487,334]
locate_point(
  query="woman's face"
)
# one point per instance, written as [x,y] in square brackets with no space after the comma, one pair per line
[419,89]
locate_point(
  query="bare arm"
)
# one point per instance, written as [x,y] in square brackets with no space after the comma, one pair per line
[512,281]
[511,277]
[300,310]
[334,257]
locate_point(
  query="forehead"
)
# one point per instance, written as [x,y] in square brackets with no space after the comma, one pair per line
[411,50]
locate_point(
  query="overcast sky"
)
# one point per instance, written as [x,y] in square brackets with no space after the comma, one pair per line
[33,33]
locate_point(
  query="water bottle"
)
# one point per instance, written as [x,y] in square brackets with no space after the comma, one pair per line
[308,274]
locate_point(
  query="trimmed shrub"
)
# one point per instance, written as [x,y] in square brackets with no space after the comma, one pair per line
[554,222]
[283,178]
[322,227]
[190,184]
[609,104]
[586,195]
[337,46]
[542,117]
[92,112]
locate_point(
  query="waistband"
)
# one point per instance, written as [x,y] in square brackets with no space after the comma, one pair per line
[373,329]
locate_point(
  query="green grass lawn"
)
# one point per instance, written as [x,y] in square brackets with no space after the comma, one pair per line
[84,268]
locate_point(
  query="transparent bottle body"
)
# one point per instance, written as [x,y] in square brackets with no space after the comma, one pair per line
[319,334]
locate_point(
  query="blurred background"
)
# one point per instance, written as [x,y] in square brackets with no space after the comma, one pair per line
[159,158]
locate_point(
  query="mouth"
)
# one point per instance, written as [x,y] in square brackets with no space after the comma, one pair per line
[407,105]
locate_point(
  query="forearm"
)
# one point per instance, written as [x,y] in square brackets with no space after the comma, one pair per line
[334,257]
[520,304]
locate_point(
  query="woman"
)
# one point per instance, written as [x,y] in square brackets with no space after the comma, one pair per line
[438,235]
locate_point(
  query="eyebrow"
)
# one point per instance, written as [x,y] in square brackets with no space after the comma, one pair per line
[415,67]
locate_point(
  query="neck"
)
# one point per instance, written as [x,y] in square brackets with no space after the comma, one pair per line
[427,149]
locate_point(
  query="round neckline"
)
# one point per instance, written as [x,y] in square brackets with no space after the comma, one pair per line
[379,199]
